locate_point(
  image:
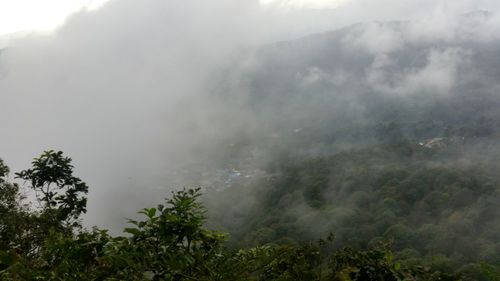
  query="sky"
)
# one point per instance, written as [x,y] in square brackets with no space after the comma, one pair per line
[125,89]
[34,15]
[310,4]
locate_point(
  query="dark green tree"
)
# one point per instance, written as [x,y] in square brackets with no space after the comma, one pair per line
[12,213]
[61,195]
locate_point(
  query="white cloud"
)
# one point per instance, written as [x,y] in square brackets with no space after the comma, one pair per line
[125,90]
[439,74]
[311,4]
[375,38]
[436,77]
[35,15]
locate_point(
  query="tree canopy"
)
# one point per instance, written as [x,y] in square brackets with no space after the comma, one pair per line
[171,242]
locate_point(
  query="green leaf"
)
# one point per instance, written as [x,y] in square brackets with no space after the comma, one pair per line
[151,212]
[7,259]
[133,231]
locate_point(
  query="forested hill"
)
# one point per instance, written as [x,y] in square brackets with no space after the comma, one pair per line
[376,82]
[435,206]
[367,84]
[375,131]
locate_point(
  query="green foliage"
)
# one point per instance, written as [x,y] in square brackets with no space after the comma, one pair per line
[171,243]
[491,272]
[15,221]
[426,200]
[8,204]
[60,193]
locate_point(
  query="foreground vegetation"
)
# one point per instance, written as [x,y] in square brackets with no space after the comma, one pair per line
[171,243]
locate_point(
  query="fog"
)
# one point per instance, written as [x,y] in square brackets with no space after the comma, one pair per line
[137,91]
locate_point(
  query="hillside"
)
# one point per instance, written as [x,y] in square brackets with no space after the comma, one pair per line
[371,132]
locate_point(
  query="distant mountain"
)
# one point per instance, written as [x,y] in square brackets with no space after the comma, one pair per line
[374,131]
[372,83]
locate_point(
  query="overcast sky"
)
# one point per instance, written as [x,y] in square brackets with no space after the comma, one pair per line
[34,15]
[29,15]
[123,88]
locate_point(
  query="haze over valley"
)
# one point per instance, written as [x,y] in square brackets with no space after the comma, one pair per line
[373,120]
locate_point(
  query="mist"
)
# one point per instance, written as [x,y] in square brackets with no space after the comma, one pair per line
[149,96]
[125,91]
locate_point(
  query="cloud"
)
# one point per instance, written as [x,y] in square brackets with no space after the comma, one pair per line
[375,38]
[301,4]
[127,91]
[437,76]
[132,91]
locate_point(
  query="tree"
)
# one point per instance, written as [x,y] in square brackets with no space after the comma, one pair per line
[60,194]
[172,243]
[12,213]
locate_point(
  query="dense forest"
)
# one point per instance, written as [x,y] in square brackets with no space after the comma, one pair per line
[43,239]
[436,209]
